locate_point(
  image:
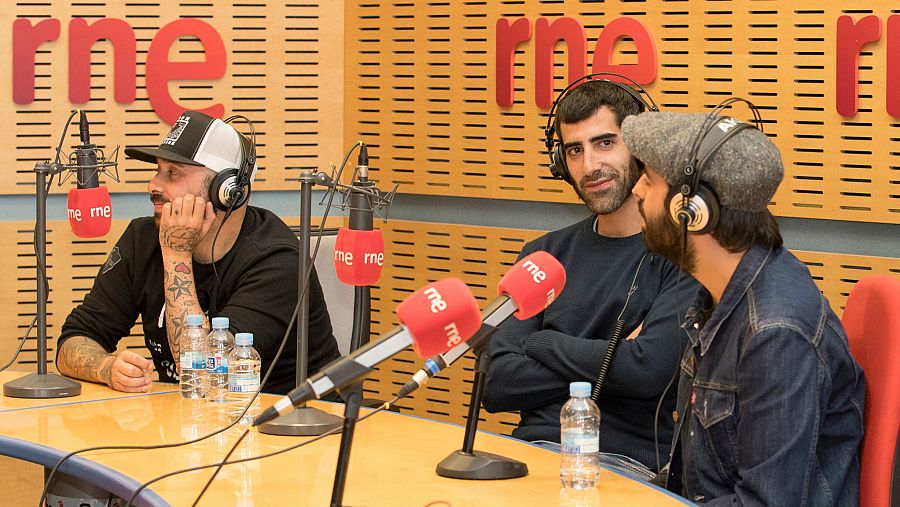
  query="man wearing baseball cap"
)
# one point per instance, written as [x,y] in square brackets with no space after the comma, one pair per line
[770,401]
[202,252]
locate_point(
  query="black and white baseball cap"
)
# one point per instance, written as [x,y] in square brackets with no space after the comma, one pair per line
[198,139]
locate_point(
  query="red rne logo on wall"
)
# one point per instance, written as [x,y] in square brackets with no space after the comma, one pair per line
[851,38]
[28,37]
[509,34]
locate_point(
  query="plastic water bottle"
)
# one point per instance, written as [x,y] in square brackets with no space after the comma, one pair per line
[579,422]
[220,342]
[243,378]
[194,382]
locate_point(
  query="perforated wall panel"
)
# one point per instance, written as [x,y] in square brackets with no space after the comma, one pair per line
[283,70]
[422,77]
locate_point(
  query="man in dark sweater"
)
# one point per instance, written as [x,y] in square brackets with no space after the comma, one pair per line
[166,267]
[610,275]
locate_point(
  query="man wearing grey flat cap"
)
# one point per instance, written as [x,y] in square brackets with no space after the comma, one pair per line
[618,309]
[770,401]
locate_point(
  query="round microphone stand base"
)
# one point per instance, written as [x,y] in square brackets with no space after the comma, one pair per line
[302,422]
[41,385]
[480,466]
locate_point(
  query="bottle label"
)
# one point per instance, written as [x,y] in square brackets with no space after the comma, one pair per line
[192,361]
[243,383]
[217,363]
[580,442]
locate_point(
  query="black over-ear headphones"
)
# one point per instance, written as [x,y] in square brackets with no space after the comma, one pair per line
[558,167]
[230,189]
[694,204]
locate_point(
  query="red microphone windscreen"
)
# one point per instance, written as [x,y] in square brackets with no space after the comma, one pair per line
[90,211]
[533,283]
[440,316]
[358,256]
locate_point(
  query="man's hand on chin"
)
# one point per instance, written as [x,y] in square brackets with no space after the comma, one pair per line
[183,223]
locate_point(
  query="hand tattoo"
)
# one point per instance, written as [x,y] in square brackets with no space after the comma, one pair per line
[180,238]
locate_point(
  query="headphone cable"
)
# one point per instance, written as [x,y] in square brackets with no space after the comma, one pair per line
[679,317]
[606,363]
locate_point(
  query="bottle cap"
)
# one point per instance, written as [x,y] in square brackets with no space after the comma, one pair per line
[243,339]
[579,389]
[220,323]
[194,320]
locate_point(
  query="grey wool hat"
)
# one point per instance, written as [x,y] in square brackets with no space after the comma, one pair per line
[744,172]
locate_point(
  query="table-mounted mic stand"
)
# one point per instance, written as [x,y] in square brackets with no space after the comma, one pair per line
[42,384]
[352,396]
[468,463]
[303,420]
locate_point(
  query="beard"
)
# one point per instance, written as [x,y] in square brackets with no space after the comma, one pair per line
[663,237]
[604,202]
[157,199]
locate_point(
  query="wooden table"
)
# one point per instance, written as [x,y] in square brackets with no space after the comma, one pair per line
[392,463]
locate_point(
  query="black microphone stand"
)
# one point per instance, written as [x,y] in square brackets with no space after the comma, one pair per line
[42,384]
[303,420]
[352,396]
[468,463]
[361,219]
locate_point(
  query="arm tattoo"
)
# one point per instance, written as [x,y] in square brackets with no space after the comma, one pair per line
[85,359]
[180,287]
[174,330]
[181,301]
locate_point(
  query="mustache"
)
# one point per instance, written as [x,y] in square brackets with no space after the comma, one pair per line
[157,199]
[598,175]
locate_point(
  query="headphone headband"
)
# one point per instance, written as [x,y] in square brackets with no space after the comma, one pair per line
[558,166]
[693,204]
[249,151]
[230,189]
[648,103]
[714,132]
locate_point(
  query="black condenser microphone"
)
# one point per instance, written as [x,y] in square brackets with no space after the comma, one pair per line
[361,207]
[87,173]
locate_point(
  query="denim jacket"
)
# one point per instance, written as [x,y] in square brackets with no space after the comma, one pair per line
[774,396]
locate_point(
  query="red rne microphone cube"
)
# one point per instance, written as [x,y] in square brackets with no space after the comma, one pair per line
[440,316]
[90,211]
[533,283]
[358,256]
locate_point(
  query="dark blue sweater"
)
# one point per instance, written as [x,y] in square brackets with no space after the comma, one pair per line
[533,361]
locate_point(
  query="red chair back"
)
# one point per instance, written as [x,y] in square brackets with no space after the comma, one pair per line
[872,322]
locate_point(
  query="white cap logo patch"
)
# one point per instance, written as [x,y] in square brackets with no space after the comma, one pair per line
[177,129]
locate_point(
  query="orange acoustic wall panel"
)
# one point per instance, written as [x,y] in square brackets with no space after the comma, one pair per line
[134,65]
[426,81]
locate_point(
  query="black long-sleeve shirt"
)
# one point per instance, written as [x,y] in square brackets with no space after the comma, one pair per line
[258,293]
[533,361]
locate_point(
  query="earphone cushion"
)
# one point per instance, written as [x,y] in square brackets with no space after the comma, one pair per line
[701,211]
[558,167]
[225,189]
